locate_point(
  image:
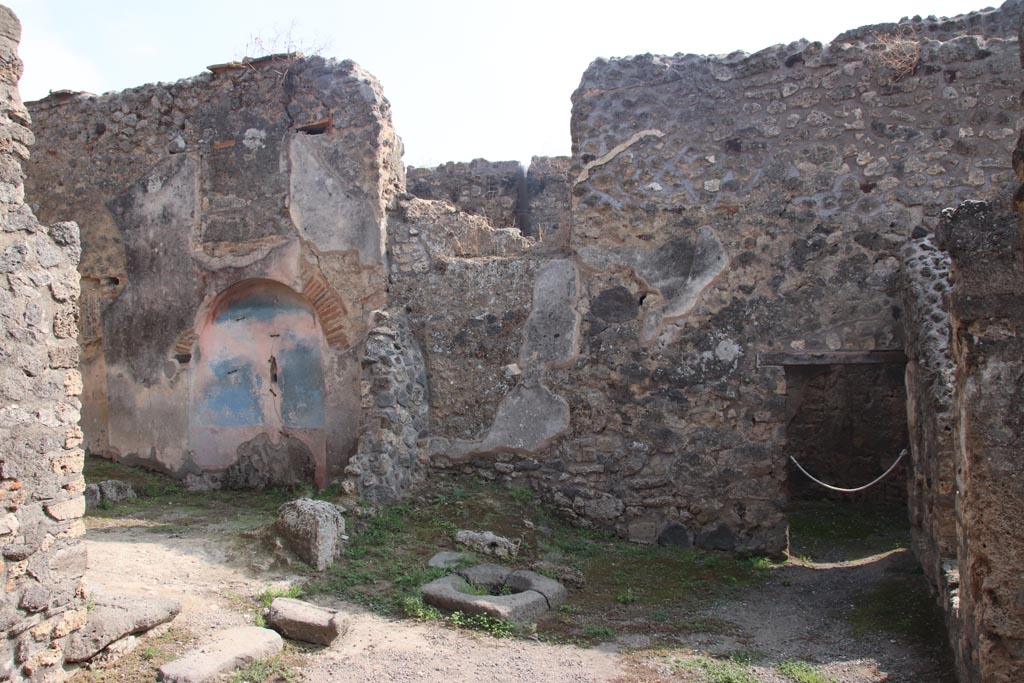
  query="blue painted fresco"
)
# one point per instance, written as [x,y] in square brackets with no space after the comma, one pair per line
[231,400]
[259,306]
[301,380]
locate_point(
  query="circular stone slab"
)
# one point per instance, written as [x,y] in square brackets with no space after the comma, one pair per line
[449,592]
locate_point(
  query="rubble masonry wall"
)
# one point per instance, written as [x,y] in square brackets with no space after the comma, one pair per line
[41,483]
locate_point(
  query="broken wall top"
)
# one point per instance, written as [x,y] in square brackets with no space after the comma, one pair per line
[603,74]
[232,122]
[804,166]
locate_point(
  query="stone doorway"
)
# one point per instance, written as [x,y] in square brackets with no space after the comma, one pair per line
[847,423]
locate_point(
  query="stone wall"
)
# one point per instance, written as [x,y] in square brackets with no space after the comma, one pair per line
[722,209]
[930,375]
[395,413]
[41,484]
[489,189]
[725,208]
[548,182]
[273,174]
[986,305]
[535,200]
[849,425]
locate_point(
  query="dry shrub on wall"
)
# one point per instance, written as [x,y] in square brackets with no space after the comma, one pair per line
[284,41]
[897,54]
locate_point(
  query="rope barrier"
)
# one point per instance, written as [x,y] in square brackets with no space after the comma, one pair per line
[859,488]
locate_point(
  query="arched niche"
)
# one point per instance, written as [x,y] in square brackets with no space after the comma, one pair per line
[257,395]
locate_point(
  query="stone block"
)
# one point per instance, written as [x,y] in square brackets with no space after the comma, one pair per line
[313,530]
[227,650]
[488,543]
[116,491]
[447,559]
[115,616]
[299,620]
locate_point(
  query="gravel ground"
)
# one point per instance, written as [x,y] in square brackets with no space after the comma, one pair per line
[797,614]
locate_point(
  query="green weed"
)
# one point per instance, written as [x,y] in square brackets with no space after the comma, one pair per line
[762,563]
[595,631]
[268,596]
[271,669]
[800,671]
[499,628]
[414,607]
[720,670]
[272,592]
[521,494]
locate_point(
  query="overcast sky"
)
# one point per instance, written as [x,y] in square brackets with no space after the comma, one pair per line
[466,78]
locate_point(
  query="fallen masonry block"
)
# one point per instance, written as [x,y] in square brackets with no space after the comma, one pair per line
[488,543]
[312,529]
[111,491]
[113,617]
[447,559]
[299,620]
[230,649]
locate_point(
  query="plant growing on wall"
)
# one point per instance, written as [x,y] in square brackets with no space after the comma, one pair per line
[898,53]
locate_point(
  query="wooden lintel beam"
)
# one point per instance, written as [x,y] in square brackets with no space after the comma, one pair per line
[879,357]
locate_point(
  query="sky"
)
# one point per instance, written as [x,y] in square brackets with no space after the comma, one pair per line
[466,78]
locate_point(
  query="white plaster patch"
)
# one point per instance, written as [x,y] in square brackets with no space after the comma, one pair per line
[254,139]
[728,350]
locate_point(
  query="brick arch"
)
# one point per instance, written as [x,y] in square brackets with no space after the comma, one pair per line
[329,306]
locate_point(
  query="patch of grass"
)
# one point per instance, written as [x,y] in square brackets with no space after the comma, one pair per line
[763,564]
[271,669]
[827,530]
[521,494]
[383,568]
[414,607]
[720,670]
[499,628]
[800,671]
[659,616]
[473,589]
[149,653]
[273,592]
[596,631]
[267,597]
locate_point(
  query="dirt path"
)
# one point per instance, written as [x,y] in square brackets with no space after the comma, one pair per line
[797,615]
[217,592]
